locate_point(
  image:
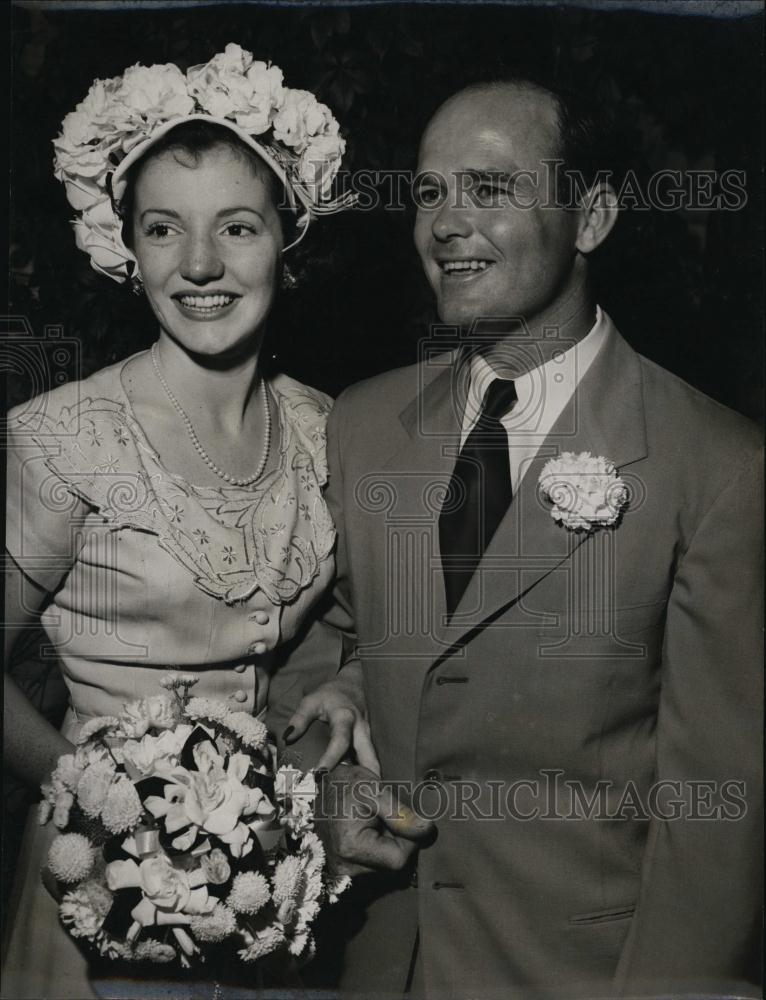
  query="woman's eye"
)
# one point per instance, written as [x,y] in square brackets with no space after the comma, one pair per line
[239,229]
[160,230]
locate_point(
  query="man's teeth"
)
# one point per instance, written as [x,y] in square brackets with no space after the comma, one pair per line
[464,265]
[206,301]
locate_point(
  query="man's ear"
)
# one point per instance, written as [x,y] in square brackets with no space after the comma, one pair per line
[598,214]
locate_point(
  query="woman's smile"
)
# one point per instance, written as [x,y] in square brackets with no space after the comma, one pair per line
[207,305]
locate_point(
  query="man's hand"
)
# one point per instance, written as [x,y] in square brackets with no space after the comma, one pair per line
[339,703]
[364,826]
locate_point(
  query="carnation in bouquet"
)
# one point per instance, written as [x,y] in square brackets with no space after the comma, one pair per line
[181,839]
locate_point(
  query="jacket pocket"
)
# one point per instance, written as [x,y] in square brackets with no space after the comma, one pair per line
[604,916]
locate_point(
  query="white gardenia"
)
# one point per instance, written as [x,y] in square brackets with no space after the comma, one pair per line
[156,754]
[585,490]
[212,799]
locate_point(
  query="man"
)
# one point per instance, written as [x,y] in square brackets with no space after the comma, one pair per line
[568,679]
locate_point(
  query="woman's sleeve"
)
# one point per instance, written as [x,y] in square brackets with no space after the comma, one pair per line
[43,517]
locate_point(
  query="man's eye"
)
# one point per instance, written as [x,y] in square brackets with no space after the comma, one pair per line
[239,229]
[491,192]
[428,196]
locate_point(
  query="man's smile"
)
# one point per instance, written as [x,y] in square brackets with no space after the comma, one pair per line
[465,267]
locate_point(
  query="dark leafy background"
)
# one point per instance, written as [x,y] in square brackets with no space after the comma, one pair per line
[685,288]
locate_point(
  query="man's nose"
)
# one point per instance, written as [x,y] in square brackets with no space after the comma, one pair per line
[451,219]
[202,261]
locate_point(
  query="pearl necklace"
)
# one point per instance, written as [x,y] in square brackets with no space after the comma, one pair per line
[196,441]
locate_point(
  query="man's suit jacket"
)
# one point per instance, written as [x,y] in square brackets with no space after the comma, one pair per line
[610,660]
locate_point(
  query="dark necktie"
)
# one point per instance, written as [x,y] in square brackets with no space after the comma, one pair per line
[479,493]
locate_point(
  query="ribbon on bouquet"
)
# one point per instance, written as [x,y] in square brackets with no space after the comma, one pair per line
[150,891]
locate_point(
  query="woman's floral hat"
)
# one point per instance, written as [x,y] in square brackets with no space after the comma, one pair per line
[120,119]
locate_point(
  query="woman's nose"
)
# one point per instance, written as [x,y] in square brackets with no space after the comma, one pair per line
[202,262]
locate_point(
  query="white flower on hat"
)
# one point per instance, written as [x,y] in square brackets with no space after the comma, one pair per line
[232,85]
[118,115]
[157,93]
[301,118]
[99,233]
[319,162]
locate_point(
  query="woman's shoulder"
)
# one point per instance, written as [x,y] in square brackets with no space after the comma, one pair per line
[291,389]
[304,411]
[46,412]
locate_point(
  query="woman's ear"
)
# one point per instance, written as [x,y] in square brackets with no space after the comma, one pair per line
[598,214]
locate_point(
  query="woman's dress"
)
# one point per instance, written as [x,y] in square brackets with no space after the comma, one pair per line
[150,572]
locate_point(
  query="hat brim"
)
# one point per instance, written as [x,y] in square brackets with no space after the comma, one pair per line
[120,175]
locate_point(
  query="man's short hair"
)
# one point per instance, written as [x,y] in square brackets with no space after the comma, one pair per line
[588,145]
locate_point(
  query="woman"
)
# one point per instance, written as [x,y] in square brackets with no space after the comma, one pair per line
[167,511]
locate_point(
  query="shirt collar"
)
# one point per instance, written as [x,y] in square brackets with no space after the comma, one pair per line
[547,386]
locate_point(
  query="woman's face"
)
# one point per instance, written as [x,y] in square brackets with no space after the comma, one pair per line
[207,238]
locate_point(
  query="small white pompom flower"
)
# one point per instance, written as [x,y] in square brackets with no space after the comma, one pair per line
[70,857]
[264,943]
[93,787]
[287,877]
[249,892]
[102,724]
[67,774]
[212,927]
[250,730]
[122,809]
[206,708]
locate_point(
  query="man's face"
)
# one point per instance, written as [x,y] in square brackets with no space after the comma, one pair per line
[484,254]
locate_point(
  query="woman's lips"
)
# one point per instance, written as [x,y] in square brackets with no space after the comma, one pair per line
[205,306]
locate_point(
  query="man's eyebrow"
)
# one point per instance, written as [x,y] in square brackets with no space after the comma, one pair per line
[481,173]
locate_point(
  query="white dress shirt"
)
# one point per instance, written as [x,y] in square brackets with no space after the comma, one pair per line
[543,392]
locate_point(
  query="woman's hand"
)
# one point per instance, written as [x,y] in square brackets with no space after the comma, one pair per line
[340,703]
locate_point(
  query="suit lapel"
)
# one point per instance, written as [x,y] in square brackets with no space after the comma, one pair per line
[419,471]
[604,417]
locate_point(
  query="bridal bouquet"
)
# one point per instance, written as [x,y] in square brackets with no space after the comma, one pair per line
[181,839]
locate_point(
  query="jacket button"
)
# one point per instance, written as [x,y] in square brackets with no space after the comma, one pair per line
[240,695]
[414,879]
[432,775]
[241,668]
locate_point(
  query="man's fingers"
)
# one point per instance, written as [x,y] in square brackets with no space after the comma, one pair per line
[365,751]
[400,819]
[376,850]
[341,738]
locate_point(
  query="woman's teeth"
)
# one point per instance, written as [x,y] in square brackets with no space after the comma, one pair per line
[449,266]
[206,303]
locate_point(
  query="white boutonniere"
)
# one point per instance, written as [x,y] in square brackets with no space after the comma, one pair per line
[585,490]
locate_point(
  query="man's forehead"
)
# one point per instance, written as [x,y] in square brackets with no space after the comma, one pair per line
[504,120]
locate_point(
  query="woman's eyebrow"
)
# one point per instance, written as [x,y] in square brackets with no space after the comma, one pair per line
[239,208]
[161,211]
